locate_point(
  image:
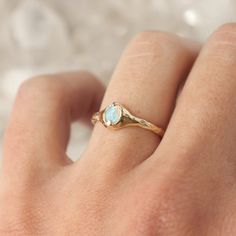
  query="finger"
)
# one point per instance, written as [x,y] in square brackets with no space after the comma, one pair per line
[204,120]
[194,166]
[145,81]
[39,125]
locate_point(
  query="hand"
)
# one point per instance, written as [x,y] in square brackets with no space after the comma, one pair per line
[128,182]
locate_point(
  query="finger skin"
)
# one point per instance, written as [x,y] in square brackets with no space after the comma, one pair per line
[146,82]
[45,106]
[183,195]
[206,108]
[195,163]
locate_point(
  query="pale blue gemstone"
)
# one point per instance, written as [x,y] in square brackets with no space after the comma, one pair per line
[112,115]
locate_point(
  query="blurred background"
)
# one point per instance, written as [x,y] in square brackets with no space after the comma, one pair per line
[39,36]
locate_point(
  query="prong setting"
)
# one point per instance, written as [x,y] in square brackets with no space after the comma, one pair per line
[112,115]
[116,116]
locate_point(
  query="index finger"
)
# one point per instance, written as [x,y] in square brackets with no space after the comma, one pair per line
[39,125]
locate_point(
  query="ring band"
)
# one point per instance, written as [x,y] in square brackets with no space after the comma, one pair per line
[116,116]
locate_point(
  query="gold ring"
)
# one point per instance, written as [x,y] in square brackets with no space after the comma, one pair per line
[116,116]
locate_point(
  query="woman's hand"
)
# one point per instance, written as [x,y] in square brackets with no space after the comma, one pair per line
[128,182]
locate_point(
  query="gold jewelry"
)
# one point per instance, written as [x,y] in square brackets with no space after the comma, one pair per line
[116,116]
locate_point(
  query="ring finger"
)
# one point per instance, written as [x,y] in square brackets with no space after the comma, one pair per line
[145,81]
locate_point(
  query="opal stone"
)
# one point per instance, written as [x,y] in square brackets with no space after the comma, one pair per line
[112,115]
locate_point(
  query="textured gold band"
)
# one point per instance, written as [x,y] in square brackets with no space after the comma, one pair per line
[116,116]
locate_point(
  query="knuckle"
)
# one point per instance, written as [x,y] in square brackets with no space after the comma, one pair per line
[40,86]
[225,36]
[228,27]
[221,51]
[153,36]
[155,43]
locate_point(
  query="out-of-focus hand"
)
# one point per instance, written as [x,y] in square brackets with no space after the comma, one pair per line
[128,182]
